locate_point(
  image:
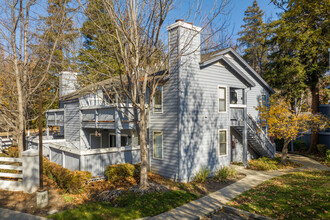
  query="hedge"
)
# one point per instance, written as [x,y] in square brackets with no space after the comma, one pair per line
[70,181]
[118,172]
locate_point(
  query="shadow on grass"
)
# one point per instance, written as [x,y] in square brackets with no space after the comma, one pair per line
[129,206]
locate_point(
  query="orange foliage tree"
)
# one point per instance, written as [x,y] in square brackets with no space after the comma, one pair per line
[287,124]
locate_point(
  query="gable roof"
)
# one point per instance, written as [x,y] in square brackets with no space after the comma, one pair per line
[106,84]
[216,56]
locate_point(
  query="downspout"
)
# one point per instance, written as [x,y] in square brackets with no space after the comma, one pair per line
[244,135]
[180,167]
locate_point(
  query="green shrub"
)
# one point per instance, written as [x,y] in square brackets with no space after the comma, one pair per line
[328,156]
[299,145]
[263,163]
[224,172]
[202,175]
[279,144]
[118,172]
[70,181]
[137,170]
[321,148]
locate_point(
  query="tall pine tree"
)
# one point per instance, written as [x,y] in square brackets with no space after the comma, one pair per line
[253,37]
[96,61]
[300,45]
[59,26]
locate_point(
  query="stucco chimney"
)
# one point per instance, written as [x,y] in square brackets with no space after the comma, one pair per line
[184,43]
[68,82]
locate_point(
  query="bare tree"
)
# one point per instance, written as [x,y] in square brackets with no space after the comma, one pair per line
[136,44]
[28,71]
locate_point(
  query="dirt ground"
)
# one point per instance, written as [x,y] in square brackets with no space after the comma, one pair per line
[59,200]
[27,203]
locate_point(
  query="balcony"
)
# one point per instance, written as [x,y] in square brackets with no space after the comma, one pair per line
[106,117]
[55,117]
[237,114]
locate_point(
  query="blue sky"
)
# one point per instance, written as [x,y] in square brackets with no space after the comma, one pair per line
[239,7]
[234,19]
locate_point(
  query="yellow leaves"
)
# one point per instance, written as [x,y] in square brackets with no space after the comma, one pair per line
[288,124]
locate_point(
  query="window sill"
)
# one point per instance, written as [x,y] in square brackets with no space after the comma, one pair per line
[237,106]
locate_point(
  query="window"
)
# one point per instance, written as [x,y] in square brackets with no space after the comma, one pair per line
[158,100]
[112,140]
[123,140]
[95,140]
[158,145]
[264,100]
[233,96]
[223,142]
[222,99]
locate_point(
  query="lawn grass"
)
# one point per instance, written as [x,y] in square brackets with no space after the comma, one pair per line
[265,163]
[129,206]
[301,195]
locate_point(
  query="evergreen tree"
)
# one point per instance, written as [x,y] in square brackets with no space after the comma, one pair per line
[299,49]
[253,37]
[96,61]
[55,40]
[59,26]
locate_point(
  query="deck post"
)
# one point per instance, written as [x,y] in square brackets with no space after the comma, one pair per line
[30,165]
[244,136]
[118,135]
[47,132]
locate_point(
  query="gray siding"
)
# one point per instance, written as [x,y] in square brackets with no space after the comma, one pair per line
[72,121]
[56,156]
[200,120]
[167,122]
[97,164]
[71,161]
[253,95]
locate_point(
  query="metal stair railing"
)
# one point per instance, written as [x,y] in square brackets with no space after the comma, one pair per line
[261,137]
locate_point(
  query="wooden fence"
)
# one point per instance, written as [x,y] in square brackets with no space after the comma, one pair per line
[20,174]
[5,142]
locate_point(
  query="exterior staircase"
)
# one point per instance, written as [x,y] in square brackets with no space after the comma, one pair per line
[257,139]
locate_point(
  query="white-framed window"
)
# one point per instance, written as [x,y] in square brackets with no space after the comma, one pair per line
[222,142]
[112,140]
[233,96]
[95,140]
[222,95]
[158,100]
[158,144]
[124,140]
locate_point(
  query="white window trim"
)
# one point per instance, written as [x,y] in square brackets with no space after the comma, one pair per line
[153,103]
[90,139]
[110,141]
[126,135]
[227,134]
[226,95]
[153,145]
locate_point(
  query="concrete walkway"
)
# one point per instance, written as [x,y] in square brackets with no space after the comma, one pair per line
[6,214]
[213,202]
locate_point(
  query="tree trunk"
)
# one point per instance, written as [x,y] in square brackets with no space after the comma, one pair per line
[315,110]
[41,183]
[144,151]
[285,151]
[20,127]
